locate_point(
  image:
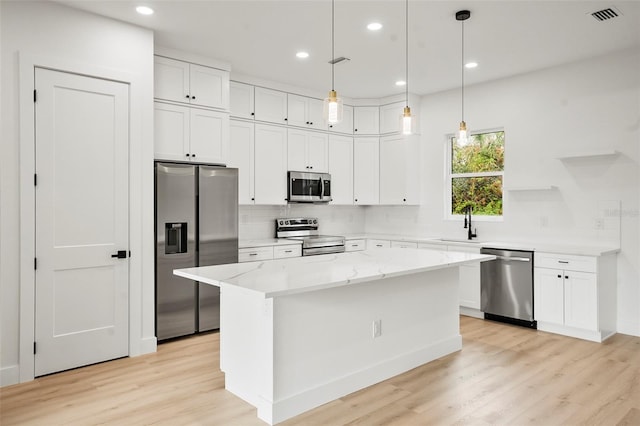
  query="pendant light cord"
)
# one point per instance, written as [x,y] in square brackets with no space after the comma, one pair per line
[333,56]
[406,38]
[462,68]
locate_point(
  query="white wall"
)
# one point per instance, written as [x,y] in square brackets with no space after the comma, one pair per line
[578,108]
[52,33]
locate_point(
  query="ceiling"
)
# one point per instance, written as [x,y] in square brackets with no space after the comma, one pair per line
[260,38]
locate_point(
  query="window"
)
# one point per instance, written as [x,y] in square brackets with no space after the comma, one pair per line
[476,171]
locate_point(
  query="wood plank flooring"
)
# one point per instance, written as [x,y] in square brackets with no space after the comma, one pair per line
[504,375]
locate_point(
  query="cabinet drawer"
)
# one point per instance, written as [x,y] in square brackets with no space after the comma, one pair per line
[290,250]
[464,249]
[250,254]
[568,262]
[403,244]
[355,245]
[378,244]
[432,246]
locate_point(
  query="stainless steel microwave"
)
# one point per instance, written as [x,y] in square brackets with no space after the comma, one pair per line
[304,187]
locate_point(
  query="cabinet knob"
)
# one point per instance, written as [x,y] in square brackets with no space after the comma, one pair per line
[311,167]
[286,119]
[355,130]
[356,200]
[311,122]
[331,126]
[566,277]
[253,113]
[404,199]
[308,122]
[193,156]
[187,155]
[187,96]
[253,199]
[559,276]
[193,97]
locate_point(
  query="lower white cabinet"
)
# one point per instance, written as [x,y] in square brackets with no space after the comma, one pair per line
[284,251]
[575,295]
[251,254]
[270,164]
[469,279]
[366,171]
[355,245]
[184,133]
[371,243]
[403,244]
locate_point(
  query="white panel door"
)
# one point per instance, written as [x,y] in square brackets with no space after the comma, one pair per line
[548,295]
[314,114]
[171,79]
[346,125]
[171,132]
[241,156]
[581,300]
[270,164]
[82,291]
[341,169]
[209,136]
[297,150]
[366,171]
[241,100]
[366,120]
[270,105]
[318,152]
[209,87]
[297,113]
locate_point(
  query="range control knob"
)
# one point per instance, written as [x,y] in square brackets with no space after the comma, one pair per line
[286,222]
[315,221]
[281,222]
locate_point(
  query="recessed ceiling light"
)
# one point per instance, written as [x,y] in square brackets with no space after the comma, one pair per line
[144,10]
[302,55]
[374,26]
[401,83]
[471,64]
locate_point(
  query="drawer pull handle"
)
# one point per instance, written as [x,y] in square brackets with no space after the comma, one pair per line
[354,245]
[563,261]
[288,251]
[253,254]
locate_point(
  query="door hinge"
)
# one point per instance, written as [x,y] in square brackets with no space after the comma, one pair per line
[35,263]
[35,96]
[34,348]
[35,179]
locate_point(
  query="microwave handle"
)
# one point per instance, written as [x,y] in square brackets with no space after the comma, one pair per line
[322,188]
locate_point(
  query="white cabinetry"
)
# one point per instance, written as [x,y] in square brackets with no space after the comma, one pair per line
[355,245]
[346,125]
[270,155]
[183,133]
[285,251]
[308,151]
[366,120]
[194,84]
[366,171]
[469,296]
[403,244]
[390,117]
[575,295]
[341,169]
[373,243]
[242,157]
[270,105]
[305,112]
[399,171]
[242,100]
[251,254]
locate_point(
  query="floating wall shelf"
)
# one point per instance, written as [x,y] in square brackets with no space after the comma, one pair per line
[586,155]
[531,188]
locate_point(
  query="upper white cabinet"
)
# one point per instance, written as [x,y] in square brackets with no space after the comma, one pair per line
[180,81]
[346,125]
[366,171]
[305,112]
[270,149]
[307,151]
[366,120]
[242,157]
[399,171]
[575,295]
[390,117]
[242,100]
[270,105]
[190,134]
[341,169]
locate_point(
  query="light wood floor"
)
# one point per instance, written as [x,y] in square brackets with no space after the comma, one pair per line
[503,375]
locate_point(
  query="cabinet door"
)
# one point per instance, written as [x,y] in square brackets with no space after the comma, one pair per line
[548,295]
[346,125]
[171,79]
[296,150]
[314,114]
[297,110]
[209,87]
[241,100]
[366,169]
[270,164]
[209,136]
[399,174]
[366,120]
[341,169]
[270,105]
[390,117]
[581,300]
[171,129]
[318,152]
[469,286]
[241,156]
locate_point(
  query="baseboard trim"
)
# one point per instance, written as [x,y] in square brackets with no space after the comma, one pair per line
[284,409]
[471,312]
[147,345]
[9,375]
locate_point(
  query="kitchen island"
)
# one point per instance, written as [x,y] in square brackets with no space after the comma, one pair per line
[297,333]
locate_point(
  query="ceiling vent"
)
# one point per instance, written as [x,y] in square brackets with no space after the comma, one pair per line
[338,60]
[606,14]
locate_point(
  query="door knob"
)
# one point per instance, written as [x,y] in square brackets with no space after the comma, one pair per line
[121,254]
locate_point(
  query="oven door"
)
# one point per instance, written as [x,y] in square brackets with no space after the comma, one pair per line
[309,187]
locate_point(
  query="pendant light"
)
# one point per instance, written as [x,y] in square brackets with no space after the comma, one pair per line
[332,108]
[463,135]
[406,123]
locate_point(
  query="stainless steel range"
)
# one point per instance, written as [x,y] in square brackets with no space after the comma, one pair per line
[306,229]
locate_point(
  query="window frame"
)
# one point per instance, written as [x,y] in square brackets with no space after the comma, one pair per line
[450,176]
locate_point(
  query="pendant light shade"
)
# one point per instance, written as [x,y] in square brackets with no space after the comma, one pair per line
[462,134]
[332,108]
[407,121]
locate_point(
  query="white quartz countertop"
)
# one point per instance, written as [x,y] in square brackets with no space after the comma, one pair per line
[266,242]
[551,247]
[283,277]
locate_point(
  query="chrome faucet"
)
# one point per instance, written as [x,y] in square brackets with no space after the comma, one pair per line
[467,224]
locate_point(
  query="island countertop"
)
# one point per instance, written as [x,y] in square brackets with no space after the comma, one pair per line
[283,277]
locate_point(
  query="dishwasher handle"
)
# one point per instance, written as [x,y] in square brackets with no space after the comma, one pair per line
[517,259]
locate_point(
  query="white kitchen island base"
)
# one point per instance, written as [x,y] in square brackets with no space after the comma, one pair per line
[297,333]
[289,354]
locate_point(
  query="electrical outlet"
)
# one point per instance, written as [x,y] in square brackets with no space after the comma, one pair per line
[599,223]
[377,328]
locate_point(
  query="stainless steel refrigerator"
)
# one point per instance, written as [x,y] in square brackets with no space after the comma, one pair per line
[196,216]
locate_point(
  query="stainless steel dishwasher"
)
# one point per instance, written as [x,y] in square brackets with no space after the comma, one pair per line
[506,286]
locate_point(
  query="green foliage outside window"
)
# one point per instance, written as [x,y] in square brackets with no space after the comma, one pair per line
[483,154]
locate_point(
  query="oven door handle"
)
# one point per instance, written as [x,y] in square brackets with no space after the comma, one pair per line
[517,259]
